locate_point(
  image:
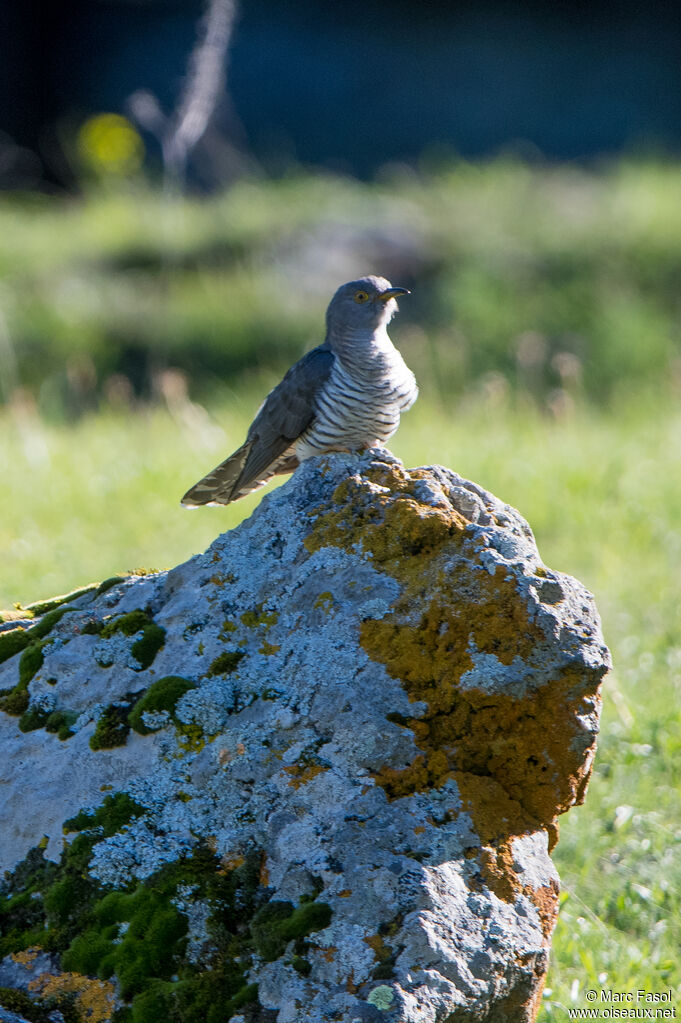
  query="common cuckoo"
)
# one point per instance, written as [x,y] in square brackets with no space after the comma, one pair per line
[344,395]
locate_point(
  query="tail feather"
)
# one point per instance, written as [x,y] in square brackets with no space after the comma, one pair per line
[233,478]
[220,485]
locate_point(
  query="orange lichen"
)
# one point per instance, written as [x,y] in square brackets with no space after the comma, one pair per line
[510,754]
[496,868]
[27,956]
[520,742]
[94,1000]
[545,899]
[389,524]
[301,774]
[495,814]
[350,985]
[378,947]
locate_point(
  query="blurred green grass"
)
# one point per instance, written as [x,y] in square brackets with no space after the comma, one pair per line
[542,274]
[545,331]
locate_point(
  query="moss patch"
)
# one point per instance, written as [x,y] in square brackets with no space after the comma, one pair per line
[162,695]
[60,722]
[256,617]
[31,661]
[144,650]
[15,701]
[48,622]
[278,923]
[226,663]
[44,903]
[139,935]
[23,1005]
[13,642]
[106,584]
[128,624]
[30,643]
[32,719]
[41,607]
[112,727]
[151,640]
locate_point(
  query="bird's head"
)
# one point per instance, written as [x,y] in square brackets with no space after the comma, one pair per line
[363,305]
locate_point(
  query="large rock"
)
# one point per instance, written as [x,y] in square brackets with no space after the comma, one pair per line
[355,720]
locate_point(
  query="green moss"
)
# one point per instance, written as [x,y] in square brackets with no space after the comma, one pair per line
[92,628]
[226,662]
[162,695]
[257,617]
[201,999]
[277,923]
[23,1005]
[60,721]
[30,662]
[21,921]
[128,624]
[48,622]
[22,913]
[41,607]
[106,584]
[152,942]
[145,649]
[13,642]
[116,811]
[140,936]
[301,965]
[147,955]
[32,719]
[14,701]
[86,952]
[112,728]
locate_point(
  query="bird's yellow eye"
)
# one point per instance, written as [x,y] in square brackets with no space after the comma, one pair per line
[360,297]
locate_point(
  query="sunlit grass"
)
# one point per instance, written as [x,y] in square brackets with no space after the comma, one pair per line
[602,492]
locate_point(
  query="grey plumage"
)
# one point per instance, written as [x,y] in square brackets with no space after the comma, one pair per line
[346,394]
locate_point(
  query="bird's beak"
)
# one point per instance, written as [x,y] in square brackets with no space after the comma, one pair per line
[385,296]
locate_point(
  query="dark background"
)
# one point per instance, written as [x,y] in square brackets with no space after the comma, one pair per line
[354,85]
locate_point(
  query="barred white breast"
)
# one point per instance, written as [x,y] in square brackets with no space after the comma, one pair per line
[362,400]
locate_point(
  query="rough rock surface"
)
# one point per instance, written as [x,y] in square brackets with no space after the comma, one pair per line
[355,720]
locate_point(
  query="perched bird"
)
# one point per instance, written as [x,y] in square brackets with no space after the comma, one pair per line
[344,395]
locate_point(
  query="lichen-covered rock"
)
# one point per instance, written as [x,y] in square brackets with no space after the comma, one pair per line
[310,775]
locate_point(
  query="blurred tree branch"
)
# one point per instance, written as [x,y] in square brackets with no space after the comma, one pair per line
[204,84]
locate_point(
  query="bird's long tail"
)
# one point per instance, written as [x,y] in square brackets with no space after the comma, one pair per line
[235,477]
[220,485]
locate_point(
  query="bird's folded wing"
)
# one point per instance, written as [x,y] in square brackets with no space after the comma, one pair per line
[285,414]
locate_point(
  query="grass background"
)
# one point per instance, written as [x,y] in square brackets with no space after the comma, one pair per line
[544,330]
